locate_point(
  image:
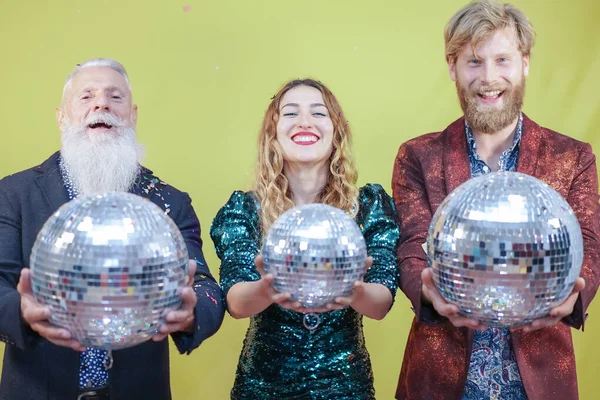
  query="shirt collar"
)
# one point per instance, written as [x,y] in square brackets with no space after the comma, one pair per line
[472,144]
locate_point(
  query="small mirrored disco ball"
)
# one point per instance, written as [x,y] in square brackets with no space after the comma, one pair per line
[505,248]
[108,266]
[315,252]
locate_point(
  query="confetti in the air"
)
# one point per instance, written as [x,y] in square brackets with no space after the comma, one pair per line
[187,8]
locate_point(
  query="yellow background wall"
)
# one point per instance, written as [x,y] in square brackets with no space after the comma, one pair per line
[203,73]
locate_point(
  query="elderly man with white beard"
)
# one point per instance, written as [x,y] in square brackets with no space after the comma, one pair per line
[99,153]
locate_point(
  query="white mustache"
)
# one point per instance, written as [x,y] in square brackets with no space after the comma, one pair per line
[102,118]
[100,163]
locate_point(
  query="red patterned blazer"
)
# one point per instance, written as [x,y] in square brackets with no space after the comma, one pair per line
[437,354]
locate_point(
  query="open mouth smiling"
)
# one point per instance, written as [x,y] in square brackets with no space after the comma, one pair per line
[100,125]
[491,94]
[305,138]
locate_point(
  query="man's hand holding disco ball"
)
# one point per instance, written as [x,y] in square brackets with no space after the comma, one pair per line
[559,312]
[431,295]
[182,319]
[37,316]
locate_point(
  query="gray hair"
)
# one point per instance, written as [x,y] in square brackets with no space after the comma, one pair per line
[97,62]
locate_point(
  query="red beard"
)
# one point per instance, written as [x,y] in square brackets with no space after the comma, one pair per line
[484,119]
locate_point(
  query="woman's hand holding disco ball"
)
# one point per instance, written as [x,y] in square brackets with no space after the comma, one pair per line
[372,300]
[354,300]
[182,319]
[246,299]
[37,316]
[267,292]
[313,260]
[356,297]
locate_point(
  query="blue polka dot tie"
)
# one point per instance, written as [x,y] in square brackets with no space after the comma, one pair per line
[92,369]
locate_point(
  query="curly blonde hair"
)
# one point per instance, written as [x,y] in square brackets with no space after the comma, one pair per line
[272,186]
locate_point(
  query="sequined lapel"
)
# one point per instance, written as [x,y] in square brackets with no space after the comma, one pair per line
[456,155]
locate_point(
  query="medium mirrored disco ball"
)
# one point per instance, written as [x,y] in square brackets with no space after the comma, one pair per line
[505,248]
[315,252]
[107,266]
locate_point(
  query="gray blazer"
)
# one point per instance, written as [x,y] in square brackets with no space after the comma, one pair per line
[34,368]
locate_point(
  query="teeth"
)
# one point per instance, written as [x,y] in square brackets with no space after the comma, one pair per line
[98,124]
[491,94]
[304,139]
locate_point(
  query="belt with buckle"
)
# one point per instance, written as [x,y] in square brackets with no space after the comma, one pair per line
[97,393]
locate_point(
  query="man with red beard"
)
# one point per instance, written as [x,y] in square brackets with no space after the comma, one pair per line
[99,153]
[449,356]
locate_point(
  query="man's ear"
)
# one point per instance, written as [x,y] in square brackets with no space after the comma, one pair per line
[526,66]
[134,114]
[452,70]
[61,118]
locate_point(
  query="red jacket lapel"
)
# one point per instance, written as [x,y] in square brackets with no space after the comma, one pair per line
[531,136]
[456,164]
[457,169]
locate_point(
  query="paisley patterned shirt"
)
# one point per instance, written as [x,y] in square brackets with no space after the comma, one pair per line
[493,371]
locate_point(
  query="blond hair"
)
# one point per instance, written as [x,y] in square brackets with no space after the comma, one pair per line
[474,23]
[272,186]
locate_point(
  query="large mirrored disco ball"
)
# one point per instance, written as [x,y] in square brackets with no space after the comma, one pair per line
[108,265]
[505,248]
[315,252]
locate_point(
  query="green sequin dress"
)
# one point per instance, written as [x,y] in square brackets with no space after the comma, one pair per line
[281,359]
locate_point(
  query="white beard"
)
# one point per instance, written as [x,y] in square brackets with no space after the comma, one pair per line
[104,161]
